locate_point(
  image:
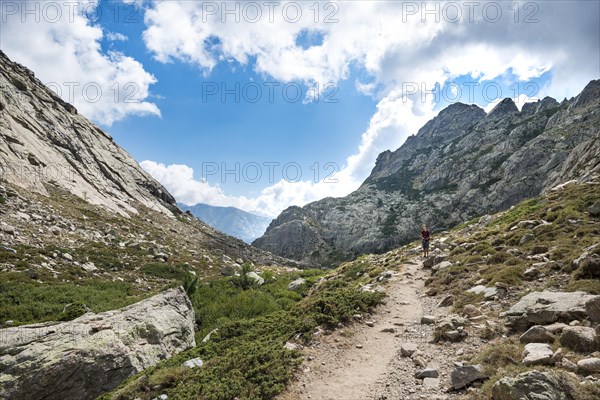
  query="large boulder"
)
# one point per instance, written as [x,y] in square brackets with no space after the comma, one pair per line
[542,308]
[543,384]
[579,338]
[85,357]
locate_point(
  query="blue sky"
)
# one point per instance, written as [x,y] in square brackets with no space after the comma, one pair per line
[382,69]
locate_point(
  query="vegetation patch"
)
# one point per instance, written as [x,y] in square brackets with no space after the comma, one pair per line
[27,302]
[245,356]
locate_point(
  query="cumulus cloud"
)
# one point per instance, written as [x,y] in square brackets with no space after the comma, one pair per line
[397,44]
[116,37]
[179,180]
[67,56]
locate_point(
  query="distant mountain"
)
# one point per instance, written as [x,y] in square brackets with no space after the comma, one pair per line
[230,220]
[461,164]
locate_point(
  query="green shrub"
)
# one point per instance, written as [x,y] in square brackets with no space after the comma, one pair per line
[511,275]
[165,271]
[29,301]
[498,258]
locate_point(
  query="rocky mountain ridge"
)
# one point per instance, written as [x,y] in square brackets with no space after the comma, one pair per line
[462,163]
[43,139]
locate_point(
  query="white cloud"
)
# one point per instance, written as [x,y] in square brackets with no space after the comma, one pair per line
[393,47]
[180,182]
[116,37]
[62,47]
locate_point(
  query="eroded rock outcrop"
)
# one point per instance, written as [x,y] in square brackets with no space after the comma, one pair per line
[94,353]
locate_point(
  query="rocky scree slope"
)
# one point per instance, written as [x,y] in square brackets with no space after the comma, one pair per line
[43,139]
[462,163]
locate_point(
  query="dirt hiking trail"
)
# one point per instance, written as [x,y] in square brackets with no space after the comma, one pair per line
[364,361]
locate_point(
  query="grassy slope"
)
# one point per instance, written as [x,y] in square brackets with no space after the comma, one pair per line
[38,283]
[485,255]
[246,357]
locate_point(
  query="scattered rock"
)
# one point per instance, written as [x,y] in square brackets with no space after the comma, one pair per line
[543,384]
[589,365]
[537,334]
[555,328]
[193,363]
[359,346]
[471,311]
[428,320]
[427,373]
[594,209]
[465,375]
[161,257]
[428,262]
[89,266]
[579,338]
[419,361]
[446,301]
[407,349]
[569,365]
[488,292]
[228,270]
[67,256]
[207,337]
[296,283]
[259,280]
[441,266]
[576,262]
[292,346]
[431,383]
[542,308]
[537,354]
[526,238]
[531,273]
[450,328]
[8,229]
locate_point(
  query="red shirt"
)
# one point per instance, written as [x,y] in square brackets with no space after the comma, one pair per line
[425,234]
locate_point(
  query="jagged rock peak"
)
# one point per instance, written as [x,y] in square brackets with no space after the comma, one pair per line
[505,107]
[452,121]
[539,106]
[589,95]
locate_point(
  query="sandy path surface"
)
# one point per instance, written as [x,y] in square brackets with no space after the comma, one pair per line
[354,363]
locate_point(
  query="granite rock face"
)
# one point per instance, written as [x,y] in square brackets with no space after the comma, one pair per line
[93,354]
[44,141]
[461,164]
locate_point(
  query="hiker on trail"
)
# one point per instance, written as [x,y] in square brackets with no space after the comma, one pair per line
[425,235]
